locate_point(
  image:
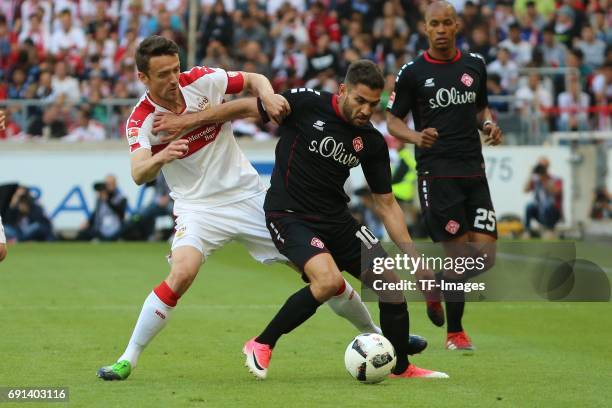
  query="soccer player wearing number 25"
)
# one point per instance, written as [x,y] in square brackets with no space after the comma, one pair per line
[323,137]
[218,194]
[446,92]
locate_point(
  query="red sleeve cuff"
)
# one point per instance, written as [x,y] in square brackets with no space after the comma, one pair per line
[235,82]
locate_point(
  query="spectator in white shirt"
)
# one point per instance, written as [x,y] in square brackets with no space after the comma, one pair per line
[520,50]
[533,103]
[602,89]
[505,68]
[65,86]
[69,39]
[37,32]
[573,106]
[86,128]
[29,7]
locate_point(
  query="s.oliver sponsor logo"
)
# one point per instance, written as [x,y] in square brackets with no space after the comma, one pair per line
[331,148]
[447,97]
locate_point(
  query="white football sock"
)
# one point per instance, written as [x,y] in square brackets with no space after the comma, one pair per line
[348,304]
[153,317]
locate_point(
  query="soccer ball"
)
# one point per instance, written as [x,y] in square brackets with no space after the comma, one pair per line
[370,358]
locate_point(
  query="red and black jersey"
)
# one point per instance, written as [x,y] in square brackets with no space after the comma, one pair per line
[445,95]
[316,150]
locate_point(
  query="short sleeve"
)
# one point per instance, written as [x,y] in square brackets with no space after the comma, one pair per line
[482,99]
[298,98]
[139,126]
[138,136]
[377,169]
[401,99]
[235,82]
[224,82]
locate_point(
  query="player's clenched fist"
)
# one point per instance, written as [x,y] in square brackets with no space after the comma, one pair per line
[276,107]
[175,150]
[427,137]
[494,134]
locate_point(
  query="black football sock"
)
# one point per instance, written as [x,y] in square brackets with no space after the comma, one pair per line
[395,325]
[296,310]
[455,303]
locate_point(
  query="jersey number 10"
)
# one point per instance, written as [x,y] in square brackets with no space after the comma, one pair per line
[366,236]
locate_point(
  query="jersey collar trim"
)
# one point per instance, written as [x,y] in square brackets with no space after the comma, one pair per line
[432,60]
[164,108]
[336,107]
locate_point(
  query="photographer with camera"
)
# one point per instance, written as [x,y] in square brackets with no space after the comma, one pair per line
[546,208]
[141,226]
[25,219]
[106,221]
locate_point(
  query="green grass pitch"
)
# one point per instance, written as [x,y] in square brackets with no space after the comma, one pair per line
[67,309]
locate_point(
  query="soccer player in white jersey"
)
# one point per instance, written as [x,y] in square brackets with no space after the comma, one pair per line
[2,236]
[218,194]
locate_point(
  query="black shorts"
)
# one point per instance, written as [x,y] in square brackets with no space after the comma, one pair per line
[453,206]
[301,237]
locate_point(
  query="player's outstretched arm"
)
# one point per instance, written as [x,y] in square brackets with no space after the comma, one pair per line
[398,128]
[146,166]
[173,126]
[390,213]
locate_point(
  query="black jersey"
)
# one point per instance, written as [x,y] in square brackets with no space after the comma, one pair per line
[445,95]
[316,150]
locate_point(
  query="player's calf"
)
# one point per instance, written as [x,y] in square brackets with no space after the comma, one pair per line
[186,262]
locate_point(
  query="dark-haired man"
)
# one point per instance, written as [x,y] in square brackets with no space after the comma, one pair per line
[323,137]
[218,195]
[446,92]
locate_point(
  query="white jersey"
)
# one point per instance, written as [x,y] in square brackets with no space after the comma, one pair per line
[214,171]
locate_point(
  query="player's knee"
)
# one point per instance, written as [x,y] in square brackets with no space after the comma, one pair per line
[487,256]
[328,285]
[3,252]
[183,273]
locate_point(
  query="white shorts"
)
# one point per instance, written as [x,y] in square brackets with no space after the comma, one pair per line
[208,229]
[3,237]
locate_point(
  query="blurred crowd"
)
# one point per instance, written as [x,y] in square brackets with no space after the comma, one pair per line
[74,54]
[25,219]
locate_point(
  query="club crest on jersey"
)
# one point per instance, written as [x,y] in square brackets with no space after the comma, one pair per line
[317,243]
[202,103]
[467,80]
[358,144]
[452,227]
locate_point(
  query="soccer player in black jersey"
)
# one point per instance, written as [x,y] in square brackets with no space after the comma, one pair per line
[446,92]
[322,138]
